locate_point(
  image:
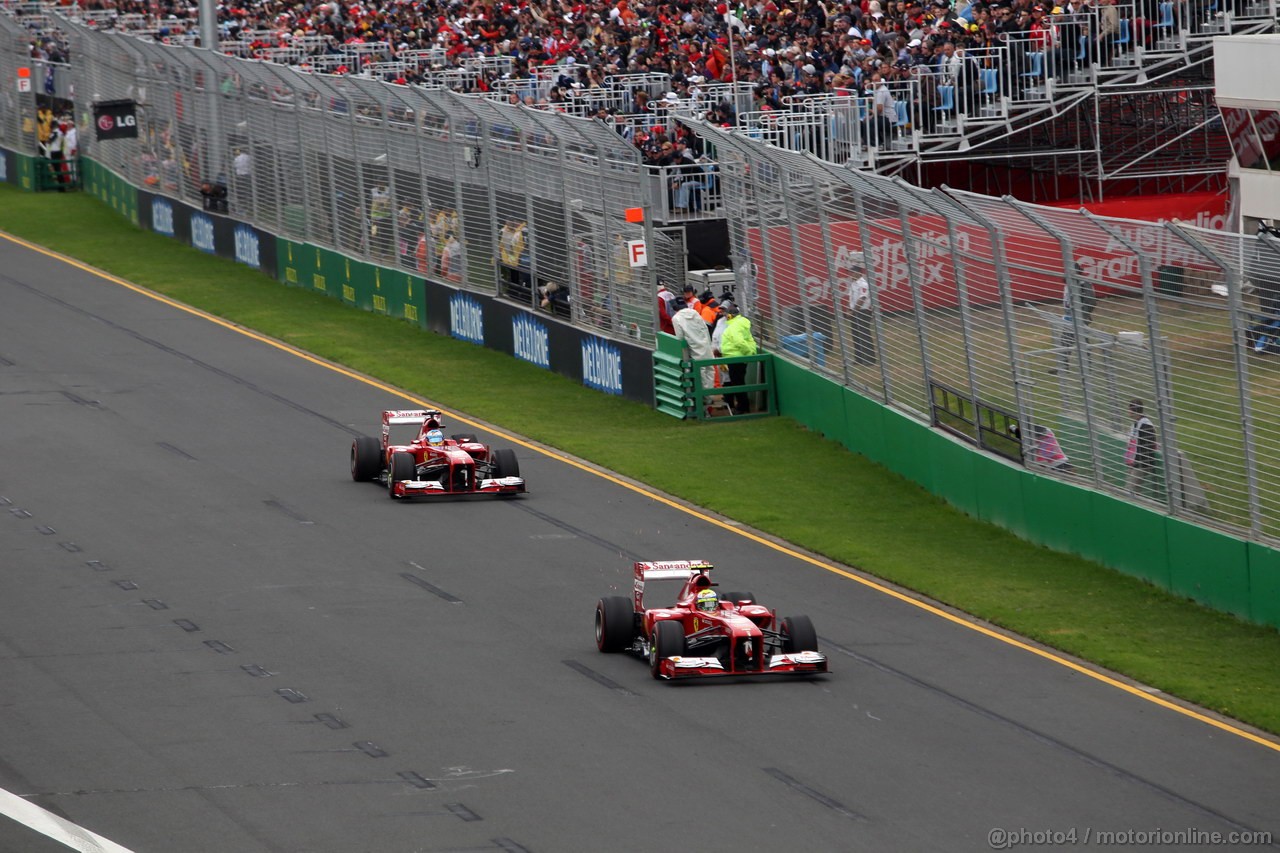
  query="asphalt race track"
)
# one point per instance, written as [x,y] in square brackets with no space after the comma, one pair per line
[211,639]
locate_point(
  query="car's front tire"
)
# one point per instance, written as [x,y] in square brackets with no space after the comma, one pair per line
[615,624]
[505,463]
[402,468]
[798,635]
[667,642]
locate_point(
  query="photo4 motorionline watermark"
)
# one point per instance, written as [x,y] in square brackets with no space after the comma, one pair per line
[1008,838]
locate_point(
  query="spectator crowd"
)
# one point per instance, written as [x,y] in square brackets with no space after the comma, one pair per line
[781,48]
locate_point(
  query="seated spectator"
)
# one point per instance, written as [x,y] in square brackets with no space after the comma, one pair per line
[554,298]
[214,197]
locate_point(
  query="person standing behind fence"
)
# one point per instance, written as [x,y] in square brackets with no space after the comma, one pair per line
[666,308]
[1088,302]
[864,342]
[380,221]
[736,341]
[44,128]
[690,328]
[242,173]
[1140,455]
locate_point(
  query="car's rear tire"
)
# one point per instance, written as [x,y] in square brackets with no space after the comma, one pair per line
[505,463]
[735,597]
[615,624]
[366,458]
[402,468]
[667,642]
[463,436]
[798,635]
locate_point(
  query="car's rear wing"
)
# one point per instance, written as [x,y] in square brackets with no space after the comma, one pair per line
[670,569]
[408,416]
[676,570]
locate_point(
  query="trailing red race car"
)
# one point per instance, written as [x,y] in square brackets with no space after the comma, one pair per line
[430,464]
[705,633]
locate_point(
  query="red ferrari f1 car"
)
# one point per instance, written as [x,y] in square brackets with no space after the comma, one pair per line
[704,633]
[430,464]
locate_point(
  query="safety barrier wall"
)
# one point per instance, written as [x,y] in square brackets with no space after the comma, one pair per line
[622,368]
[1209,566]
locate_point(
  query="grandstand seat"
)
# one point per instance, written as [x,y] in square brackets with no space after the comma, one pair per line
[1034,85]
[1165,29]
[1125,50]
[946,100]
[1035,66]
[992,103]
[990,82]
[901,121]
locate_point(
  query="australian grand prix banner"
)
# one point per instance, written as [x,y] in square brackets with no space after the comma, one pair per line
[928,263]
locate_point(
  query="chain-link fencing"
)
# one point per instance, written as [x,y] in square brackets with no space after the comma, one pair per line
[524,203]
[1029,331]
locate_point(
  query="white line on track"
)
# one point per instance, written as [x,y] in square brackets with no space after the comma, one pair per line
[59,829]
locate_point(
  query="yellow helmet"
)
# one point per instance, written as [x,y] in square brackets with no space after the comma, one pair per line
[707,601]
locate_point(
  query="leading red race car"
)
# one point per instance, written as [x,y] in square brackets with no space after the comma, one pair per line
[705,633]
[430,464]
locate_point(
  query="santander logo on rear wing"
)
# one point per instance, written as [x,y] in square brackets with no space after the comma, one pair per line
[670,569]
[408,416]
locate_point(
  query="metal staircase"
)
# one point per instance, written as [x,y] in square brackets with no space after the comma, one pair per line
[1148,114]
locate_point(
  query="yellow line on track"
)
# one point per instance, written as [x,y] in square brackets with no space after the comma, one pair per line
[836,570]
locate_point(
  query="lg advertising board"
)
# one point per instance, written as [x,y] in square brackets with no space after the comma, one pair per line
[115,120]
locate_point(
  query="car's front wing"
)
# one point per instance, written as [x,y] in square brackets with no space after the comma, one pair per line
[793,663]
[434,488]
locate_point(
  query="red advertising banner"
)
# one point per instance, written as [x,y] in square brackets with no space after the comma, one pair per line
[1204,210]
[1033,258]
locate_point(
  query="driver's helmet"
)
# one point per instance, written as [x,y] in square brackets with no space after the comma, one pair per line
[707,601]
[435,437]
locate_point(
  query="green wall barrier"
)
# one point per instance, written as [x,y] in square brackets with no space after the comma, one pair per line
[26,166]
[1214,568]
[1209,567]
[110,189]
[1001,501]
[817,402]
[356,283]
[1126,536]
[1264,584]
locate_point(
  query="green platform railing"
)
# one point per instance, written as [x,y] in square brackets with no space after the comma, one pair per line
[678,389]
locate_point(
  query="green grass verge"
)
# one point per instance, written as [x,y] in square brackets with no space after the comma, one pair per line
[856,513]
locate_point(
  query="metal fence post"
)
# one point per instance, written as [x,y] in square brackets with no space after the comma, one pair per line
[1235,311]
[1159,371]
[1077,326]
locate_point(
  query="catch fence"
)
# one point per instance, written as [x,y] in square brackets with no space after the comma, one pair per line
[979,317]
[523,203]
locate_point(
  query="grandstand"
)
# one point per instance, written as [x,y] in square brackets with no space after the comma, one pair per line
[1086,101]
